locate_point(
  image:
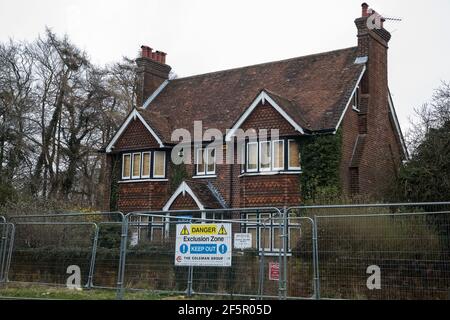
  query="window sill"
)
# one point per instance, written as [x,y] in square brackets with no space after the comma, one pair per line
[144,180]
[206,176]
[268,173]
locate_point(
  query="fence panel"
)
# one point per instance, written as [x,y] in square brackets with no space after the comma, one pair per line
[150,254]
[407,245]
[7,231]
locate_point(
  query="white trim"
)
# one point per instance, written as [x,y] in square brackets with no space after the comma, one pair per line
[183,188]
[247,162]
[149,165]
[142,180]
[205,176]
[397,125]
[262,97]
[268,173]
[132,165]
[123,162]
[289,155]
[261,169]
[350,99]
[154,164]
[133,114]
[273,155]
[155,94]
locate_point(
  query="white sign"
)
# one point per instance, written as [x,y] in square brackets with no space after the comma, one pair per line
[206,244]
[242,240]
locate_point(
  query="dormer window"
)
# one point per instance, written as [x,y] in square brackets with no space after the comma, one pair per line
[356,99]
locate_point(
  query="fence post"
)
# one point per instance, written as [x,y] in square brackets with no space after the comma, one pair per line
[10,250]
[316,260]
[93,257]
[189,281]
[285,249]
[122,257]
[3,238]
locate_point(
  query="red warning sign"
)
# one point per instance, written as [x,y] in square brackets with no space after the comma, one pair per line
[274,271]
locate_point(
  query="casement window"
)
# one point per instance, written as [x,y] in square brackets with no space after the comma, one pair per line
[278,155]
[146,164]
[266,236]
[293,155]
[206,161]
[265,156]
[159,165]
[252,156]
[137,165]
[126,166]
[242,157]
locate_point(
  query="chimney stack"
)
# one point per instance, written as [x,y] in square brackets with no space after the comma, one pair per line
[152,71]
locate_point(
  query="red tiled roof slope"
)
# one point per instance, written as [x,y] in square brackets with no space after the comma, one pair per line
[314,91]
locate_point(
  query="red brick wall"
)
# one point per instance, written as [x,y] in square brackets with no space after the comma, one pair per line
[184,202]
[264,190]
[139,196]
[135,136]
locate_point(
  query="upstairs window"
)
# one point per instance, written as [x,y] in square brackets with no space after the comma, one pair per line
[126,166]
[265,156]
[294,155]
[278,155]
[138,165]
[159,166]
[252,156]
[206,161]
[355,99]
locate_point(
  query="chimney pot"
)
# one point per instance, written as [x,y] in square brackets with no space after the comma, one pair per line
[365,8]
[158,56]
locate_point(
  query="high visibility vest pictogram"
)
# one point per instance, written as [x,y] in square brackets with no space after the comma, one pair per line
[184,231]
[222,231]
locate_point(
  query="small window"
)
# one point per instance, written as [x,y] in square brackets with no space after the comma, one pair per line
[242,157]
[278,155]
[355,99]
[206,161]
[265,156]
[146,158]
[211,161]
[159,166]
[201,163]
[126,166]
[252,156]
[294,155]
[136,165]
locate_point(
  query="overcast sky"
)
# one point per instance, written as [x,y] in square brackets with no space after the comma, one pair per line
[203,36]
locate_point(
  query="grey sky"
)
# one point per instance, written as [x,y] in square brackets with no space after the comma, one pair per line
[203,36]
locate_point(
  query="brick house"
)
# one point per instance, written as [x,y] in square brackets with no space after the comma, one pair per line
[343,91]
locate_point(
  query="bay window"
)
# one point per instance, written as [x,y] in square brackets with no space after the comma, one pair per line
[294,155]
[159,166]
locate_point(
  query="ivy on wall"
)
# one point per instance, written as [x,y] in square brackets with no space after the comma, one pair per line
[321,157]
[115,174]
[178,173]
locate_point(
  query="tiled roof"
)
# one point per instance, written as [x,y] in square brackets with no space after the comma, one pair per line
[313,90]
[204,193]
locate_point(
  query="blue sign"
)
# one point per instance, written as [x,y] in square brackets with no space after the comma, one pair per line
[203,248]
[183,248]
[183,219]
[223,248]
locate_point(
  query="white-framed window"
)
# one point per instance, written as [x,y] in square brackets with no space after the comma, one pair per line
[293,155]
[205,161]
[242,157]
[126,166]
[355,99]
[136,166]
[210,160]
[265,156]
[146,164]
[159,164]
[278,155]
[201,163]
[252,157]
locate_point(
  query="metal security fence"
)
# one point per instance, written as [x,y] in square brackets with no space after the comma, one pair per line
[147,260]
[383,251]
[367,251]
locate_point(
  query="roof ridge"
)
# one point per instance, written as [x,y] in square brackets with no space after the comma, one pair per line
[261,64]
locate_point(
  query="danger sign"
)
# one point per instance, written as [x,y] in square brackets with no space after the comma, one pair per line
[274,271]
[203,245]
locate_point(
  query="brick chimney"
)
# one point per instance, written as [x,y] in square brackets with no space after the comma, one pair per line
[152,71]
